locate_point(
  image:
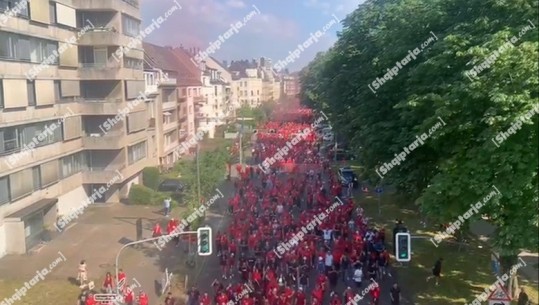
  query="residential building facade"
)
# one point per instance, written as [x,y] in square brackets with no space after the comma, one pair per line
[168,112]
[74,119]
[254,82]
[291,84]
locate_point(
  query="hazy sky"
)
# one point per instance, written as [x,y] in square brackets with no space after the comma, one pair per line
[273,29]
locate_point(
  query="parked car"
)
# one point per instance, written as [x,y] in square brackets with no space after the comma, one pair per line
[347,176]
[171,185]
[174,188]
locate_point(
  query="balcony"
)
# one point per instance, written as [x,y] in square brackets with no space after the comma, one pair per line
[99,70]
[107,36]
[110,141]
[199,100]
[99,106]
[169,126]
[129,7]
[169,105]
[102,175]
[167,82]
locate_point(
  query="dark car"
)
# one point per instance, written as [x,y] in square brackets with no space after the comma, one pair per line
[347,176]
[171,185]
[174,188]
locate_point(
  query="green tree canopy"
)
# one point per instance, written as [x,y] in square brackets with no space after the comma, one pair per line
[460,162]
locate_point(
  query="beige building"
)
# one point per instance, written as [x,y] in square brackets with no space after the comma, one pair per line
[168,112]
[254,82]
[75,130]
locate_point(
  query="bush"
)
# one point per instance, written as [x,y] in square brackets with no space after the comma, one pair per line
[141,195]
[150,177]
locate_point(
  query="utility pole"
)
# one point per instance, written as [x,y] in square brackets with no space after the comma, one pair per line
[198,176]
[241,141]
[139,242]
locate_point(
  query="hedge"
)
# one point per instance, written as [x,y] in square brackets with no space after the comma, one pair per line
[150,177]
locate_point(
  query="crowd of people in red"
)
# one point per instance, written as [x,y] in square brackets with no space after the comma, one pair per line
[334,262]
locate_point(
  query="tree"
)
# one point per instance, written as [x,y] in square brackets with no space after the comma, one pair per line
[459,163]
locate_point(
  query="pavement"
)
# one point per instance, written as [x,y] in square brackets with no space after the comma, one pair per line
[97,236]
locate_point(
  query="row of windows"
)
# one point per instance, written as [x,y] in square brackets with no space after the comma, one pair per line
[246,93]
[131,26]
[26,48]
[13,139]
[18,185]
[31,92]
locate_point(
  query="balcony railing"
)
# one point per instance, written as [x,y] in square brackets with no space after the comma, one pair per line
[100,65]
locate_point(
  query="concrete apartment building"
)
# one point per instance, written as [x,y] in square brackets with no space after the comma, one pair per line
[81,127]
[254,82]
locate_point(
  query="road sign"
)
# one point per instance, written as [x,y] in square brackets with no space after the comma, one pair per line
[106,298]
[499,296]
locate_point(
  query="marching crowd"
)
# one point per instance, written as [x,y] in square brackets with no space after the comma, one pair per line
[338,261]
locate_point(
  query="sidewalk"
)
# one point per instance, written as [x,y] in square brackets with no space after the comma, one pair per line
[484,231]
[96,237]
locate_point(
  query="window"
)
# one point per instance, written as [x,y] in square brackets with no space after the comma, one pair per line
[20,185]
[134,63]
[252,93]
[57,90]
[4,190]
[1,94]
[52,12]
[26,48]
[19,6]
[215,89]
[9,140]
[184,92]
[131,26]
[36,173]
[257,92]
[136,152]
[22,48]
[31,89]
[40,134]
[73,164]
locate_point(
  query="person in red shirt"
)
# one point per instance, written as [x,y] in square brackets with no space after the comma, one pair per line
[222,298]
[143,298]
[121,279]
[156,230]
[129,296]
[301,297]
[90,300]
[107,283]
[348,296]
[335,300]
[318,295]
[205,299]
[375,294]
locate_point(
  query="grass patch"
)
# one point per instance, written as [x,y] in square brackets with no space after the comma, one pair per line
[465,273]
[58,292]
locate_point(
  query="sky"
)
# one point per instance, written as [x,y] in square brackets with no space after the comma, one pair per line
[270,28]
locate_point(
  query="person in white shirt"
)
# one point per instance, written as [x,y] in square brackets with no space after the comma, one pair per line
[358,277]
[327,236]
[279,209]
[329,261]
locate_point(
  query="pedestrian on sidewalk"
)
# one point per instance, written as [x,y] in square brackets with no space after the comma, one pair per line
[82,275]
[108,283]
[358,277]
[166,204]
[436,271]
[395,294]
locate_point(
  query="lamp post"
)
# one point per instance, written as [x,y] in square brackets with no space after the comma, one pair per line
[198,175]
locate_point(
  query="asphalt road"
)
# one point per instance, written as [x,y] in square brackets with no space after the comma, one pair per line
[208,268]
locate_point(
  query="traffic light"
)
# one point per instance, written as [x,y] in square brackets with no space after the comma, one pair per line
[403,247]
[204,241]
